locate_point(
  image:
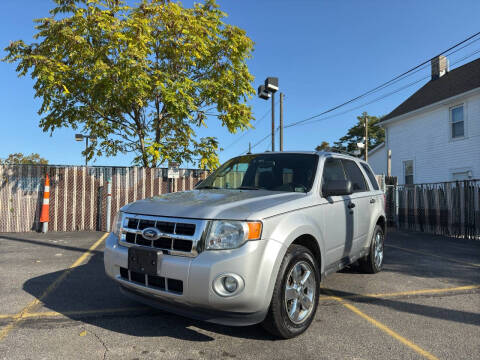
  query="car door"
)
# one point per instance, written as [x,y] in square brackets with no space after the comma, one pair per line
[359,204]
[338,221]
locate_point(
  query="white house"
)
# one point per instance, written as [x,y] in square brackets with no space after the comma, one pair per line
[434,135]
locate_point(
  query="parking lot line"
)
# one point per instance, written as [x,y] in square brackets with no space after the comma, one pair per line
[27,309]
[385,328]
[434,255]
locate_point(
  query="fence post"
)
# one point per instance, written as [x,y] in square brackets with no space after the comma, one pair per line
[99,208]
[109,198]
[396,206]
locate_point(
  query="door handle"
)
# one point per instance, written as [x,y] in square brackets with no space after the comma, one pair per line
[351,205]
[372,201]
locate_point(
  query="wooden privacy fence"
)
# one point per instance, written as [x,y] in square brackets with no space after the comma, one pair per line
[448,208]
[78,194]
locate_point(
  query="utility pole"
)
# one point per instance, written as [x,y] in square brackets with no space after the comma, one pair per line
[273,121]
[249,147]
[281,121]
[265,92]
[86,156]
[366,137]
[80,137]
[389,162]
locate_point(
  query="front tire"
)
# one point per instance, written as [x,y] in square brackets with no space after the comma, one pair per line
[295,296]
[373,262]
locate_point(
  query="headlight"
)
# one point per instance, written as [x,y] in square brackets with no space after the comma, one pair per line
[117,223]
[224,234]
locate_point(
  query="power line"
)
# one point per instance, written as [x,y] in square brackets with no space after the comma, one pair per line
[363,104]
[380,97]
[385,84]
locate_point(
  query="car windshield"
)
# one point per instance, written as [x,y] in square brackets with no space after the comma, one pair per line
[275,172]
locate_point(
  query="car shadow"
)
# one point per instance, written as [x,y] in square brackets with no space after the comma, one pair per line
[434,257]
[434,312]
[88,295]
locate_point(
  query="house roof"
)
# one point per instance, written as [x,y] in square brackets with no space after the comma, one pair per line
[376,148]
[454,82]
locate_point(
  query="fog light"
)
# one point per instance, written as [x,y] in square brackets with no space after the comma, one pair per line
[230,284]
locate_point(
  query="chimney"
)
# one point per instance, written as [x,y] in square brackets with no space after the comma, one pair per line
[439,66]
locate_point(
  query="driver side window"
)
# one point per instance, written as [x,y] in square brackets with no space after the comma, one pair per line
[332,170]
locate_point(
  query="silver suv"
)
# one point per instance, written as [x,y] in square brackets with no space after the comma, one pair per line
[252,242]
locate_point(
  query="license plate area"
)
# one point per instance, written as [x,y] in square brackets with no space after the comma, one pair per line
[142,260]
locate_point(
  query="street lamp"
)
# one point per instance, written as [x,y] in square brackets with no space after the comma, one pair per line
[80,137]
[265,92]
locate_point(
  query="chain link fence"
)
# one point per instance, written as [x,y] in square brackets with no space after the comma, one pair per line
[78,194]
[448,208]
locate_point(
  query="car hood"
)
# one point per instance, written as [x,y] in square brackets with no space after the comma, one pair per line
[214,204]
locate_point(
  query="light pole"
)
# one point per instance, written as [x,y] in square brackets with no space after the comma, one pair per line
[80,137]
[265,92]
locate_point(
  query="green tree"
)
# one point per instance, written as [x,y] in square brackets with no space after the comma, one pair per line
[19,158]
[141,78]
[356,134]
[324,146]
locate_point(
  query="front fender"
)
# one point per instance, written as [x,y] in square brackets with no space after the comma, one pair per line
[286,228]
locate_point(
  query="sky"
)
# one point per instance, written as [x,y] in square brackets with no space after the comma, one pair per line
[324,52]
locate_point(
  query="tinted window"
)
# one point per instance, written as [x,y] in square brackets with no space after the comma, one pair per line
[354,174]
[333,170]
[370,175]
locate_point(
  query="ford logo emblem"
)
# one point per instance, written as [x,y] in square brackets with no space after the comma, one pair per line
[151,233]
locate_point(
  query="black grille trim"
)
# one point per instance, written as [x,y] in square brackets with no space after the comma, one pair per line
[154,282]
[185,229]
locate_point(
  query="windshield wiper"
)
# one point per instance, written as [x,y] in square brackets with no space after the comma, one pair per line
[208,187]
[248,188]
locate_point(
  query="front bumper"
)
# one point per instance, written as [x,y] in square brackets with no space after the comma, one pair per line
[255,262]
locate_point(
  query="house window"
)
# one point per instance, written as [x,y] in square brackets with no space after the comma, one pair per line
[462,174]
[408,171]
[457,122]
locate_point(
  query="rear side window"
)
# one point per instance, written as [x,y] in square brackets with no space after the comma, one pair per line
[370,175]
[354,174]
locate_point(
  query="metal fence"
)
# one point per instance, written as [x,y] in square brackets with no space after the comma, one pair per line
[78,194]
[448,208]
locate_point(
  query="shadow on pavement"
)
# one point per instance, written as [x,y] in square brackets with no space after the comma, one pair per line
[88,288]
[463,317]
[48,244]
[437,266]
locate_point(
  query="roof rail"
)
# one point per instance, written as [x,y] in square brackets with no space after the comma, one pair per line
[340,152]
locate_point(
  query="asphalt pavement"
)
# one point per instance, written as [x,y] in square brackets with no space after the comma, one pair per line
[57,303]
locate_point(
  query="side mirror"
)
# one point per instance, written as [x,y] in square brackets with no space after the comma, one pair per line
[337,188]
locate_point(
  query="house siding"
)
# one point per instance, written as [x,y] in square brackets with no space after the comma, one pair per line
[378,161]
[425,139]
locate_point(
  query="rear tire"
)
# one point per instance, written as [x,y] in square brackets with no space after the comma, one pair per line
[373,262]
[295,296]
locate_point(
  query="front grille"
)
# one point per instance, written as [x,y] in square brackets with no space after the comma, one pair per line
[178,236]
[153,281]
[185,229]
